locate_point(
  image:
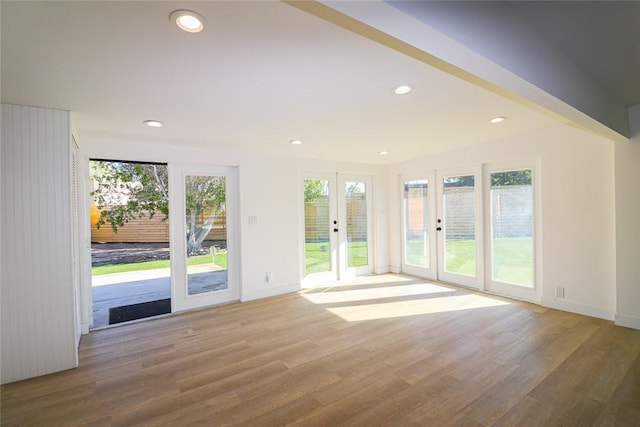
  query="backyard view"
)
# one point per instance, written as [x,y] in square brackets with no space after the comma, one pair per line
[511,233]
[318,227]
[512,230]
[512,255]
[318,258]
[220,259]
[130,239]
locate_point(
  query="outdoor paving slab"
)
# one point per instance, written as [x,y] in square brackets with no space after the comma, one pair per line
[118,289]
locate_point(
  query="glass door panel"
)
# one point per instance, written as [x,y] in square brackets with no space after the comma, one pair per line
[357,230]
[317,231]
[320,243]
[416,223]
[419,243]
[458,227]
[206,233]
[512,227]
[204,237]
[354,220]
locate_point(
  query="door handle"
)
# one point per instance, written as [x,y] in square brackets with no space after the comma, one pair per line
[438,228]
[335,230]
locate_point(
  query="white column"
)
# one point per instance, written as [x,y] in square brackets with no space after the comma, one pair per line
[627,175]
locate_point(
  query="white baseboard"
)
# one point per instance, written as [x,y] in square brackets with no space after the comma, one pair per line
[575,307]
[271,292]
[628,321]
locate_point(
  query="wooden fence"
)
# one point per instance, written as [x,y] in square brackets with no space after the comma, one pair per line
[156,230]
[146,230]
[317,223]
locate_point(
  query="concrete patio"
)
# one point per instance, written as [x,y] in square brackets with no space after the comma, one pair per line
[118,289]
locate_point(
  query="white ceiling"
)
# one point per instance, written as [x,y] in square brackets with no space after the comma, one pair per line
[260,74]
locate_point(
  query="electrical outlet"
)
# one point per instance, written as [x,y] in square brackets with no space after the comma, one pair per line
[559,292]
[267,276]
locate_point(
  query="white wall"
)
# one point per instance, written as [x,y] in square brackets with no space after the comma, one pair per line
[269,189]
[578,215]
[627,158]
[37,288]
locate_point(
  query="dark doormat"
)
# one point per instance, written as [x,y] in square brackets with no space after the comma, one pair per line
[141,310]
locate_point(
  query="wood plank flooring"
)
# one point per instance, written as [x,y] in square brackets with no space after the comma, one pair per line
[382,350]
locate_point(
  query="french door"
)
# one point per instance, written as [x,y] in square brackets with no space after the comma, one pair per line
[337,235]
[418,225]
[458,227]
[204,237]
[445,235]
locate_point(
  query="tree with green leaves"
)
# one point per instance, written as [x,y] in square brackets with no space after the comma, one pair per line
[518,177]
[313,189]
[125,191]
[205,201]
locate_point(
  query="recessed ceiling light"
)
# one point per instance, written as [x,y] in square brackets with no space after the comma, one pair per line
[153,123]
[295,142]
[499,119]
[188,21]
[383,152]
[402,89]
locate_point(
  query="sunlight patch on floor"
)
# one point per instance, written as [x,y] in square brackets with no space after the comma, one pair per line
[313,282]
[333,296]
[355,300]
[415,307]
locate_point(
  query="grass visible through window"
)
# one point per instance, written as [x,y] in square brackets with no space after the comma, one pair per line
[512,258]
[318,256]
[220,260]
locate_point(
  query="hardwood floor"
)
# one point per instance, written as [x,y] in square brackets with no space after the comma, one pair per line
[384,350]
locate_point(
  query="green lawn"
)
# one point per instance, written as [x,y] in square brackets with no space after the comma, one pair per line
[512,258]
[461,257]
[357,254]
[220,260]
[418,253]
[318,257]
